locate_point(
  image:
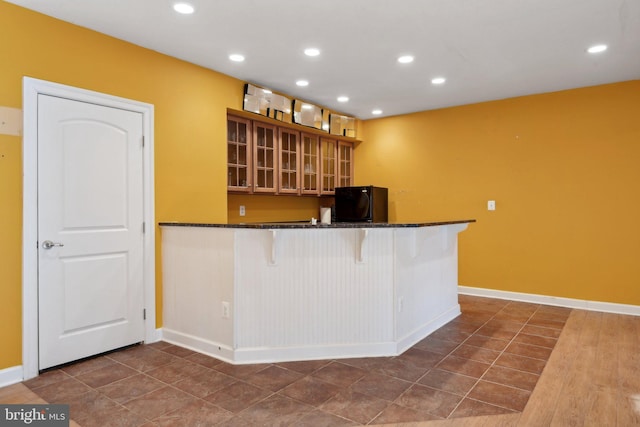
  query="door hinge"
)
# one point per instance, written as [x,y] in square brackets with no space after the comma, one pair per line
[144,314]
[142,141]
[144,227]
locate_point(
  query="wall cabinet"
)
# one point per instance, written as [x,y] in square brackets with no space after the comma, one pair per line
[328,160]
[264,155]
[289,149]
[238,154]
[345,164]
[274,159]
[310,150]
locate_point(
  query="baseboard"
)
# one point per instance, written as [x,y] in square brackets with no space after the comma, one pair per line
[10,376]
[276,354]
[421,332]
[315,352]
[210,348]
[155,337]
[606,307]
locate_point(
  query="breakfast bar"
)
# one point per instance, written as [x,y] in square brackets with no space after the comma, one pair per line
[275,292]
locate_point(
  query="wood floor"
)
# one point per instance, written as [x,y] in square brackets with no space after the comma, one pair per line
[591,379]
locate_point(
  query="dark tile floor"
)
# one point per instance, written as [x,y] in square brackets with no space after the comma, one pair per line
[487,361]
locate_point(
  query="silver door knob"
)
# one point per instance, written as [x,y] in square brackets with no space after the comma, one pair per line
[48,244]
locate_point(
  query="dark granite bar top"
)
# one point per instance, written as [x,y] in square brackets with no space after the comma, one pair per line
[307,224]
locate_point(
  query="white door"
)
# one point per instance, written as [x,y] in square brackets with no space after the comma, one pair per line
[90,229]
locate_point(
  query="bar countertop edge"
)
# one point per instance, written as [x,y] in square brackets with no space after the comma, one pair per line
[307,224]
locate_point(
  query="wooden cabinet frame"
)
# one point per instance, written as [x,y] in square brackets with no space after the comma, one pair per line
[271,157]
[239,155]
[289,148]
[265,158]
[310,162]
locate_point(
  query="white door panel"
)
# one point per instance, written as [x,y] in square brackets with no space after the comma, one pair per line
[100,179]
[90,201]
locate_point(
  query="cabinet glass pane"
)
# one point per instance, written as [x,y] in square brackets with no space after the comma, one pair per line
[237,158]
[328,165]
[310,155]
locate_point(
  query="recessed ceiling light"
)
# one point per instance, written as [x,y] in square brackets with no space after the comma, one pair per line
[312,51]
[597,48]
[376,112]
[343,99]
[302,83]
[236,57]
[438,80]
[405,59]
[184,8]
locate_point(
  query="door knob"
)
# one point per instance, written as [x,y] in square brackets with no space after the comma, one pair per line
[48,244]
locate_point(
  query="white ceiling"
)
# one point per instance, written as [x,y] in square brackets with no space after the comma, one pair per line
[486,49]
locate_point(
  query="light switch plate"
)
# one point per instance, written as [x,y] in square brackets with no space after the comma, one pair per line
[491,205]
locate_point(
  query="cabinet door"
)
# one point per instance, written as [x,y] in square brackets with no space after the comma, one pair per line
[289,155]
[238,154]
[310,164]
[264,158]
[345,162]
[328,161]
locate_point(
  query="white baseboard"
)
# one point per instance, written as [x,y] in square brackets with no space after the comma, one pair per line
[201,345]
[155,337]
[420,333]
[320,352]
[606,307]
[10,376]
[277,354]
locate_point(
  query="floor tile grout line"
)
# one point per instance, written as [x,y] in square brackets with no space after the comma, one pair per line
[501,353]
[416,382]
[493,364]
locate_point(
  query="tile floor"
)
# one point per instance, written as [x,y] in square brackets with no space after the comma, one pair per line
[485,362]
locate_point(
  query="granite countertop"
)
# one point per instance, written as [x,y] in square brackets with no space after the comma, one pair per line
[307,224]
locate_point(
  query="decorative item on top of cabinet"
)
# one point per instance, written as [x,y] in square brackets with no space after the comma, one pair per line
[289,149]
[310,150]
[238,154]
[342,125]
[328,159]
[264,158]
[307,114]
[264,102]
[345,162]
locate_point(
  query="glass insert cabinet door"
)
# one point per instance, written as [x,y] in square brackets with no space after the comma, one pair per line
[310,164]
[238,158]
[289,149]
[345,161]
[328,153]
[264,158]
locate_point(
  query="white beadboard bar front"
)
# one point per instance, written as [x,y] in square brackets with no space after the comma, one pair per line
[304,293]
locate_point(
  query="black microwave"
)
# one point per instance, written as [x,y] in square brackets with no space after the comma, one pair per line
[361,204]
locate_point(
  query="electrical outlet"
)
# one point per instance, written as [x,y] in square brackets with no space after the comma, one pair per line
[226,308]
[242,210]
[491,205]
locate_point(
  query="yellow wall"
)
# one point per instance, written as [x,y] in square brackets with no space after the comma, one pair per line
[564,171]
[190,131]
[263,208]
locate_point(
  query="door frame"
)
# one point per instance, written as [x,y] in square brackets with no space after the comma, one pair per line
[31,89]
